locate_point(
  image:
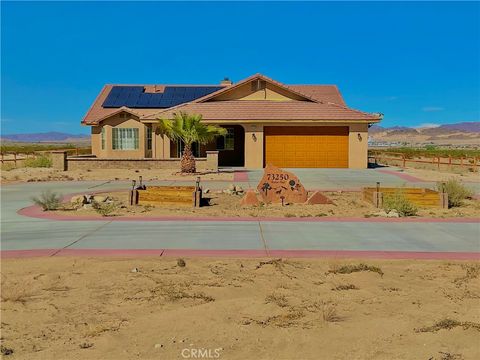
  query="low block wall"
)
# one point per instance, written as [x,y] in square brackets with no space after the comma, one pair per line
[74,163]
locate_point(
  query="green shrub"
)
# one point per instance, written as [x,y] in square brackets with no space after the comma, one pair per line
[457,192]
[399,202]
[39,161]
[104,208]
[8,166]
[48,200]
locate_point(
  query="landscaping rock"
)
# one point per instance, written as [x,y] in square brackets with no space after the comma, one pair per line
[250,199]
[231,187]
[380,214]
[318,198]
[87,206]
[239,189]
[78,200]
[393,214]
[99,199]
[280,186]
[206,191]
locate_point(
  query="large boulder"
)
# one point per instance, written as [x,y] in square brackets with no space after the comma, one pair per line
[280,186]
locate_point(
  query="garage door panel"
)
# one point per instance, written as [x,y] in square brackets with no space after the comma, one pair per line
[321,147]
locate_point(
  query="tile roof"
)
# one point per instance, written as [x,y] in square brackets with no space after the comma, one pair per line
[326,103]
[267,110]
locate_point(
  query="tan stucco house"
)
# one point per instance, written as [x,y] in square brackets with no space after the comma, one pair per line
[294,126]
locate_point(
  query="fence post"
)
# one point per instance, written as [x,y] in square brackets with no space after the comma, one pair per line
[404,160]
[438,164]
[59,160]
[15,158]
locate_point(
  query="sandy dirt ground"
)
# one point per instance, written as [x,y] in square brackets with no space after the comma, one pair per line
[85,308]
[434,175]
[49,174]
[346,204]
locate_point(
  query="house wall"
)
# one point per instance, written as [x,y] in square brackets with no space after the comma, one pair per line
[271,92]
[254,142]
[118,122]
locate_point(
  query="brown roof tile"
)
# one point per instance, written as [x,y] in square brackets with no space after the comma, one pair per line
[326,103]
[267,110]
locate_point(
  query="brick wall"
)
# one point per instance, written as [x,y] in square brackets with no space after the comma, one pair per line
[95,163]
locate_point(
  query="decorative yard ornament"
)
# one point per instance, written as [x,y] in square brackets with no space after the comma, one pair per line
[280,186]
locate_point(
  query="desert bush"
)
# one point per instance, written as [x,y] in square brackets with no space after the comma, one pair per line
[457,192]
[448,324]
[8,166]
[48,200]
[39,161]
[398,201]
[348,269]
[277,299]
[104,208]
[329,313]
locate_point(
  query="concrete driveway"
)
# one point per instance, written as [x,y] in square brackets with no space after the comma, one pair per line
[444,239]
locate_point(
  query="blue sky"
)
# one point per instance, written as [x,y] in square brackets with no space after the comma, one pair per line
[415,62]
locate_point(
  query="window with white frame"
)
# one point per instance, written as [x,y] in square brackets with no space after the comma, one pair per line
[124,139]
[227,141]
[149,137]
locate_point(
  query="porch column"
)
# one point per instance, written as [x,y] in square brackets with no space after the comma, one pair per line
[253,146]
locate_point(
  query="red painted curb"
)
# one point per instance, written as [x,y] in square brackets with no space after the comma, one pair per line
[36,212]
[240,176]
[402,176]
[15,254]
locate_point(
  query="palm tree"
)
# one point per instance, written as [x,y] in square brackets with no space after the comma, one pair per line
[189,129]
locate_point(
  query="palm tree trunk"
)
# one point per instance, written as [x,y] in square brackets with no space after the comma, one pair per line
[187,163]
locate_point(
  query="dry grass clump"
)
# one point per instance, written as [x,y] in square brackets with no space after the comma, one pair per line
[348,269]
[16,293]
[329,313]
[457,192]
[471,272]
[173,293]
[345,287]
[447,324]
[181,263]
[48,200]
[277,299]
[399,202]
[104,208]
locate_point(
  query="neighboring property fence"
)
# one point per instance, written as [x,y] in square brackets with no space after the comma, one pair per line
[433,162]
[17,156]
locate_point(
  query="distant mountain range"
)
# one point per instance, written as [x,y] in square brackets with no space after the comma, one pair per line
[52,136]
[460,133]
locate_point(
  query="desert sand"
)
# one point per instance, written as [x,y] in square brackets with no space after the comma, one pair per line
[345,205]
[48,174]
[98,308]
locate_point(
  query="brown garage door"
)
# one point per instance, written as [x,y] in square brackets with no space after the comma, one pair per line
[307,146]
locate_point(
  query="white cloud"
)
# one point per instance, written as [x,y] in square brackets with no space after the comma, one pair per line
[432,108]
[427,125]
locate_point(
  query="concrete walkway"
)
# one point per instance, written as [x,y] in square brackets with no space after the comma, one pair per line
[261,238]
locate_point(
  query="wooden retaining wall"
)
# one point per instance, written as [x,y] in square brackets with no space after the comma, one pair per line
[418,196]
[168,195]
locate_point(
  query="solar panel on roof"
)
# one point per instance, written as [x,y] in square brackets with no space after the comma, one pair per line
[135,96]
